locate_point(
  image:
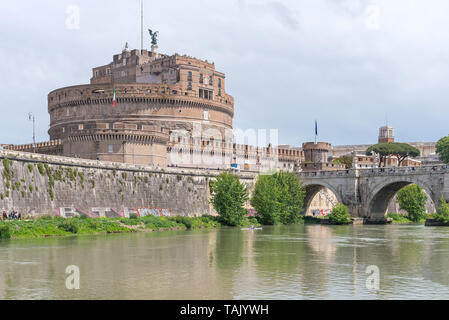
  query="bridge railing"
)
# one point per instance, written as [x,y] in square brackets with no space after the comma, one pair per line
[376,171]
[334,173]
[402,170]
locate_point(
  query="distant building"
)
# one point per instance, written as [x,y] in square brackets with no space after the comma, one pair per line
[362,161]
[386,134]
[316,158]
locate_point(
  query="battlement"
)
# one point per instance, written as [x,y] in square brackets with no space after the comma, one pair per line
[323,146]
[135,66]
[51,147]
[83,92]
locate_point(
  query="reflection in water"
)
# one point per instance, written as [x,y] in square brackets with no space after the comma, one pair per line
[322,245]
[282,262]
[321,240]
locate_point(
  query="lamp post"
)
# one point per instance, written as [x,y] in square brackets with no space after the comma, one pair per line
[32,118]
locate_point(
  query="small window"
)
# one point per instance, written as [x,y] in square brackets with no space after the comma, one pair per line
[201,78]
[110,148]
[219,83]
[189,86]
[80,127]
[96,73]
[211,82]
[189,76]
[206,115]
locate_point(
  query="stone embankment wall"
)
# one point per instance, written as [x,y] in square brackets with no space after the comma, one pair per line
[36,185]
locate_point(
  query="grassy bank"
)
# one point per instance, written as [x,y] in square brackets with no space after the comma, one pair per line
[152,223]
[55,226]
[403,219]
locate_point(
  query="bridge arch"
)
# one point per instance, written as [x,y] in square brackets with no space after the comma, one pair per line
[383,193]
[312,189]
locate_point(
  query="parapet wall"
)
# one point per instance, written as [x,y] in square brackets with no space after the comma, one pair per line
[36,185]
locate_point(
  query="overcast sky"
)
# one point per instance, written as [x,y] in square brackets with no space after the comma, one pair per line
[345,63]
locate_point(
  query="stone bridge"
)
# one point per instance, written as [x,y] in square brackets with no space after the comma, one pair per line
[367,192]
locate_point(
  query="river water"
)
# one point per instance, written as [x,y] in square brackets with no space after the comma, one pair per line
[283,262]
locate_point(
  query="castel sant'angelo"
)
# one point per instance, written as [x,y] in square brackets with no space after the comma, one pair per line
[144,108]
[148,108]
[155,94]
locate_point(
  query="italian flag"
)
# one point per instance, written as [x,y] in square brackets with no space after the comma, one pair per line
[113,99]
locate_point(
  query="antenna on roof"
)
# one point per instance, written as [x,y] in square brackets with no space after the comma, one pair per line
[141,26]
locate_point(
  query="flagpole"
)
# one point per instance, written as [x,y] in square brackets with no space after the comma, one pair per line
[141,26]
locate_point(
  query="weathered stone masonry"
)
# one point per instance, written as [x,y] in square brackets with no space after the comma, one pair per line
[35,184]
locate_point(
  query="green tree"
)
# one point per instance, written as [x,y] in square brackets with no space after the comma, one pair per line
[442,214]
[399,150]
[228,198]
[443,149]
[340,214]
[346,160]
[278,198]
[413,200]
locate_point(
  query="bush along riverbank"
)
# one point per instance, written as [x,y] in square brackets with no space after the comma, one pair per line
[441,217]
[48,226]
[399,218]
[277,198]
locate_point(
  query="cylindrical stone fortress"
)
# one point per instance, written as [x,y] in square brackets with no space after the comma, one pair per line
[155,95]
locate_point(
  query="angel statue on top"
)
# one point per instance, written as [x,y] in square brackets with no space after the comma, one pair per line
[153,36]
